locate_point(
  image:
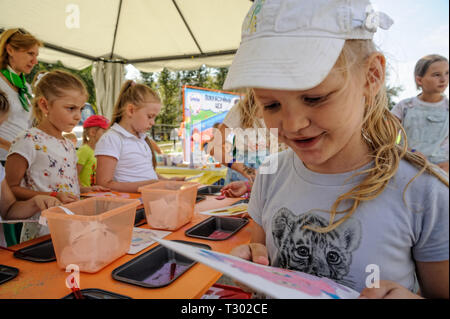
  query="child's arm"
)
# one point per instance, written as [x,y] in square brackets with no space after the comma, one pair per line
[433,279]
[12,209]
[106,166]
[15,167]
[4,144]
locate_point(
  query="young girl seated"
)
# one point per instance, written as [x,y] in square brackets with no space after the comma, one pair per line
[41,161]
[10,208]
[425,117]
[93,128]
[345,199]
[125,158]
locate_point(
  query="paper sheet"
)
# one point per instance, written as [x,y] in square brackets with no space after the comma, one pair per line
[142,238]
[227,211]
[272,281]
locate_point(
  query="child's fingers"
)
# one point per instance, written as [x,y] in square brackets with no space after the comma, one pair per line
[259,253]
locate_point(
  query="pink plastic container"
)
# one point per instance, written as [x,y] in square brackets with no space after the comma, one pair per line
[169,204]
[99,232]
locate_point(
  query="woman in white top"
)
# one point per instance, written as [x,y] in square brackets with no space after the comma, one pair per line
[18,56]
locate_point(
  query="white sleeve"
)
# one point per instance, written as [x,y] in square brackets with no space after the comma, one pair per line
[233,117]
[24,145]
[398,110]
[110,144]
[2,175]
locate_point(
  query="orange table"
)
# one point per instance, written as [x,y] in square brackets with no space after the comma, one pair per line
[47,280]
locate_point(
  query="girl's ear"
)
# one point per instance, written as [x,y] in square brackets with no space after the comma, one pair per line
[419,81]
[129,109]
[9,49]
[375,74]
[43,105]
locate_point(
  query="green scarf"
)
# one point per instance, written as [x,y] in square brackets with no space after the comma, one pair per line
[20,83]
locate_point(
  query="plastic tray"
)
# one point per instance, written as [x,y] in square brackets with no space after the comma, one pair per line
[140,217]
[217,228]
[7,273]
[95,293]
[42,252]
[199,198]
[210,190]
[140,270]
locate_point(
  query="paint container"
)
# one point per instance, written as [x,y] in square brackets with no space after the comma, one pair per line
[152,269]
[94,293]
[217,228]
[98,233]
[42,252]
[7,273]
[169,205]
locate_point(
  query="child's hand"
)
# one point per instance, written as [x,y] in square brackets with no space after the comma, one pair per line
[234,189]
[181,179]
[42,202]
[388,290]
[254,252]
[98,188]
[66,198]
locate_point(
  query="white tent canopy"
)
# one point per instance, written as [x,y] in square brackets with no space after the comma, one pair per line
[150,34]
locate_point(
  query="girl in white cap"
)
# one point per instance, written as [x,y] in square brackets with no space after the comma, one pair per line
[345,197]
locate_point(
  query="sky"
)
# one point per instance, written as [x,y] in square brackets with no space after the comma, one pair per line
[421,27]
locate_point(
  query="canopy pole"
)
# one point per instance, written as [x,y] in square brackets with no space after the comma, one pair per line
[187,26]
[115,30]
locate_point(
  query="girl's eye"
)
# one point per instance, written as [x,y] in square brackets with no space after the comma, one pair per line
[314,100]
[272,107]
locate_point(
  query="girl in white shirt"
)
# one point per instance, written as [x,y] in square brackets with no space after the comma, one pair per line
[10,208]
[125,158]
[41,161]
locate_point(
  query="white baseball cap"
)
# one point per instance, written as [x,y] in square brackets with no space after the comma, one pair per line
[294,44]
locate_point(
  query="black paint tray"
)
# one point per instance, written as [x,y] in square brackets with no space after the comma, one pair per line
[7,273]
[140,217]
[144,269]
[199,198]
[95,293]
[42,252]
[210,190]
[219,227]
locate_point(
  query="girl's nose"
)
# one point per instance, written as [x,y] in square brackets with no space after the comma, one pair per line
[294,121]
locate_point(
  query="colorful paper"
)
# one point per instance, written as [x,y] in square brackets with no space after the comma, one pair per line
[142,238]
[272,281]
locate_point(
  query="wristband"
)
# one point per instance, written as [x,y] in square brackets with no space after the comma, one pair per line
[249,189]
[54,194]
[230,164]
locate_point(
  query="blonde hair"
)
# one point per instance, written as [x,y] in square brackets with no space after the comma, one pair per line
[380,131]
[53,85]
[136,94]
[18,39]
[248,109]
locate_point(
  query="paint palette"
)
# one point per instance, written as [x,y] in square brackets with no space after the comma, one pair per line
[154,269]
[42,252]
[217,228]
[7,273]
[210,190]
[97,294]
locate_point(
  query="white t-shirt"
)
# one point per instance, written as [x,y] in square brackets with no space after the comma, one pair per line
[52,167]
[385,234]
[18,119]
[134,157]
[2,233]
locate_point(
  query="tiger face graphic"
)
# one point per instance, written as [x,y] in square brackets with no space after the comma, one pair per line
[324,255]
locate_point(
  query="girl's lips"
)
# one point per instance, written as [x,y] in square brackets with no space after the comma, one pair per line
[307,143]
